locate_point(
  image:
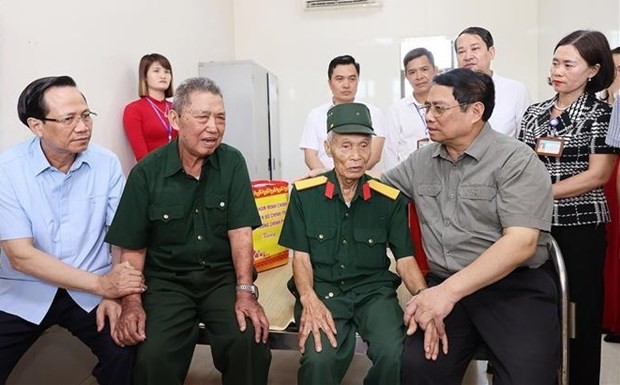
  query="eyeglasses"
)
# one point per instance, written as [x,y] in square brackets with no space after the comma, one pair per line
[437,110]
[72,120]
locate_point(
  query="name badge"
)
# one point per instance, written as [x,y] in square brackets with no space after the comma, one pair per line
[423,142]
[550,146]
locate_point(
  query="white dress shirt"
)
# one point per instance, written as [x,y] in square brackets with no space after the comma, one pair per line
[511,101]
[406,125]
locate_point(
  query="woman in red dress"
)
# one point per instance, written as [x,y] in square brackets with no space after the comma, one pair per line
[146,120]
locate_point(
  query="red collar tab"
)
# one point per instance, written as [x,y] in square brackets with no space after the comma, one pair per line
[329,190]
[366,191]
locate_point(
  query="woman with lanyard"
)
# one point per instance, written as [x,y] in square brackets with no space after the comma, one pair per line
[146,120]
[568,133]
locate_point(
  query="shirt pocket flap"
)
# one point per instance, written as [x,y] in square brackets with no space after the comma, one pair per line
[216,202]
[370,237]
[165,214]
[477,192]
[429,189]
[321,233]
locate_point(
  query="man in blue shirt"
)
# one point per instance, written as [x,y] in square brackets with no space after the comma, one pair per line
[58,195]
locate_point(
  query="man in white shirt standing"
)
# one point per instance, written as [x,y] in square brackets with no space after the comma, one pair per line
[475,50]
[406,125]
[342,77]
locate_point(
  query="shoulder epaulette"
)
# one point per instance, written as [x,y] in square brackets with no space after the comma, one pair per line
[311,182]
[383,189]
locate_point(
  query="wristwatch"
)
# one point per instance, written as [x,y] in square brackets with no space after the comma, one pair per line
[248,288]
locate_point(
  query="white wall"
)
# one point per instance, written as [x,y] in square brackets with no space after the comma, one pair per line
[297,45]
[100,44]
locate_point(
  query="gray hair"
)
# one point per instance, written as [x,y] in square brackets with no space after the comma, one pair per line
[191,85]
[330,137]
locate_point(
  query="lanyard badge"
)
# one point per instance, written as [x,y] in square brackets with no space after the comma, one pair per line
[424,141]
[550,145]
[164,122]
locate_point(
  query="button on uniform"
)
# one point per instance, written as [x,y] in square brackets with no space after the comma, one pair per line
[199,237]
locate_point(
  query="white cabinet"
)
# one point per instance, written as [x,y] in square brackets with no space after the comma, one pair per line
[251,102]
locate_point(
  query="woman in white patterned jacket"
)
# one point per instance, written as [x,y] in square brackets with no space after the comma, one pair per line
[568,133]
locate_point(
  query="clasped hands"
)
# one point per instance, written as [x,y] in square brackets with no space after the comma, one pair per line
[121,281]
[426,311]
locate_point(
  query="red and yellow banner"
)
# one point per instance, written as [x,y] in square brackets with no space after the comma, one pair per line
[271,200]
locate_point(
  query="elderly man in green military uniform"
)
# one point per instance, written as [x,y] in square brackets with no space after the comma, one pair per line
[339,225]
[186,219]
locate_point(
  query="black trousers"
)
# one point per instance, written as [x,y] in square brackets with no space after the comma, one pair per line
[115,366]
[516,317]
[583,248]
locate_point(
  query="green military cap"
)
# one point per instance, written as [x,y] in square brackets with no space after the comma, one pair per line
[350,118]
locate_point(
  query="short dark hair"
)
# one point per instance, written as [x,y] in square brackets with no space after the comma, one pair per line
[416,53]
[594,49]
[31,102]
[342,60]
[145,63]
[470,87]
[615,51]
[484,34]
